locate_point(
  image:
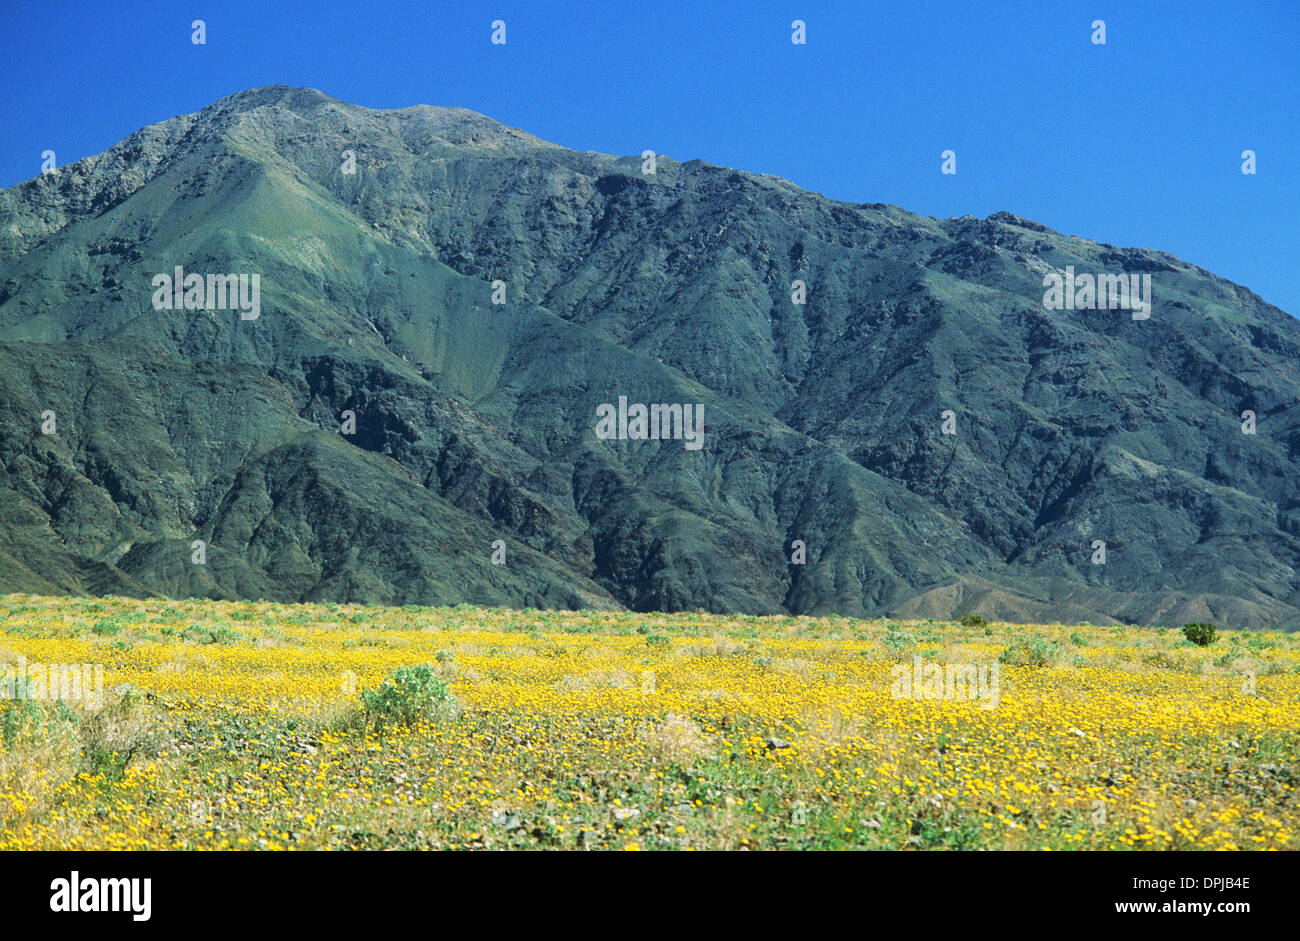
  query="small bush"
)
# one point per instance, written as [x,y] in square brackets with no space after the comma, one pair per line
[212,635]
[658,640]
[1033,651]
[973,620]
[409,695]
[100,739]
[106,628]
[899,643]
[124,728]
[1161,659]
[24,719]
[1200,634]
[1236,649]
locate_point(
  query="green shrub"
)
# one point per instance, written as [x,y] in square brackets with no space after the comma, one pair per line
[1200,634]
[1236,648]
[409,695]
[18,717]
[658,640]
[973,620]
[899,643]
[106,628]
[1032,651]
[213,635]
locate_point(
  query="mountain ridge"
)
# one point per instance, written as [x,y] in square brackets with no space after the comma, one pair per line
[477,421]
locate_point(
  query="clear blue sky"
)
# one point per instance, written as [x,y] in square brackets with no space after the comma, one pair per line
[1136,143]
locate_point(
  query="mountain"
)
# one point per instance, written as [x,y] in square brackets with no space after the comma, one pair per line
[476,422]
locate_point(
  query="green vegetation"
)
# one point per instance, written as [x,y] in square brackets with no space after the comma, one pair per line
[1200,634]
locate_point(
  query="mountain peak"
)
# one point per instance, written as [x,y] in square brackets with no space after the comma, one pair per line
[1010,218]
[297,99]
[443,124]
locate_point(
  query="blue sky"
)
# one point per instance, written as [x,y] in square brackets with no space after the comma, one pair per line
[1136,142]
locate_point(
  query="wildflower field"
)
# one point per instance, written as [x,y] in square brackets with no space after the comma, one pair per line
[268,726]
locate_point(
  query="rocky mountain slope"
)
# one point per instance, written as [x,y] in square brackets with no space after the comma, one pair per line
[475,422]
